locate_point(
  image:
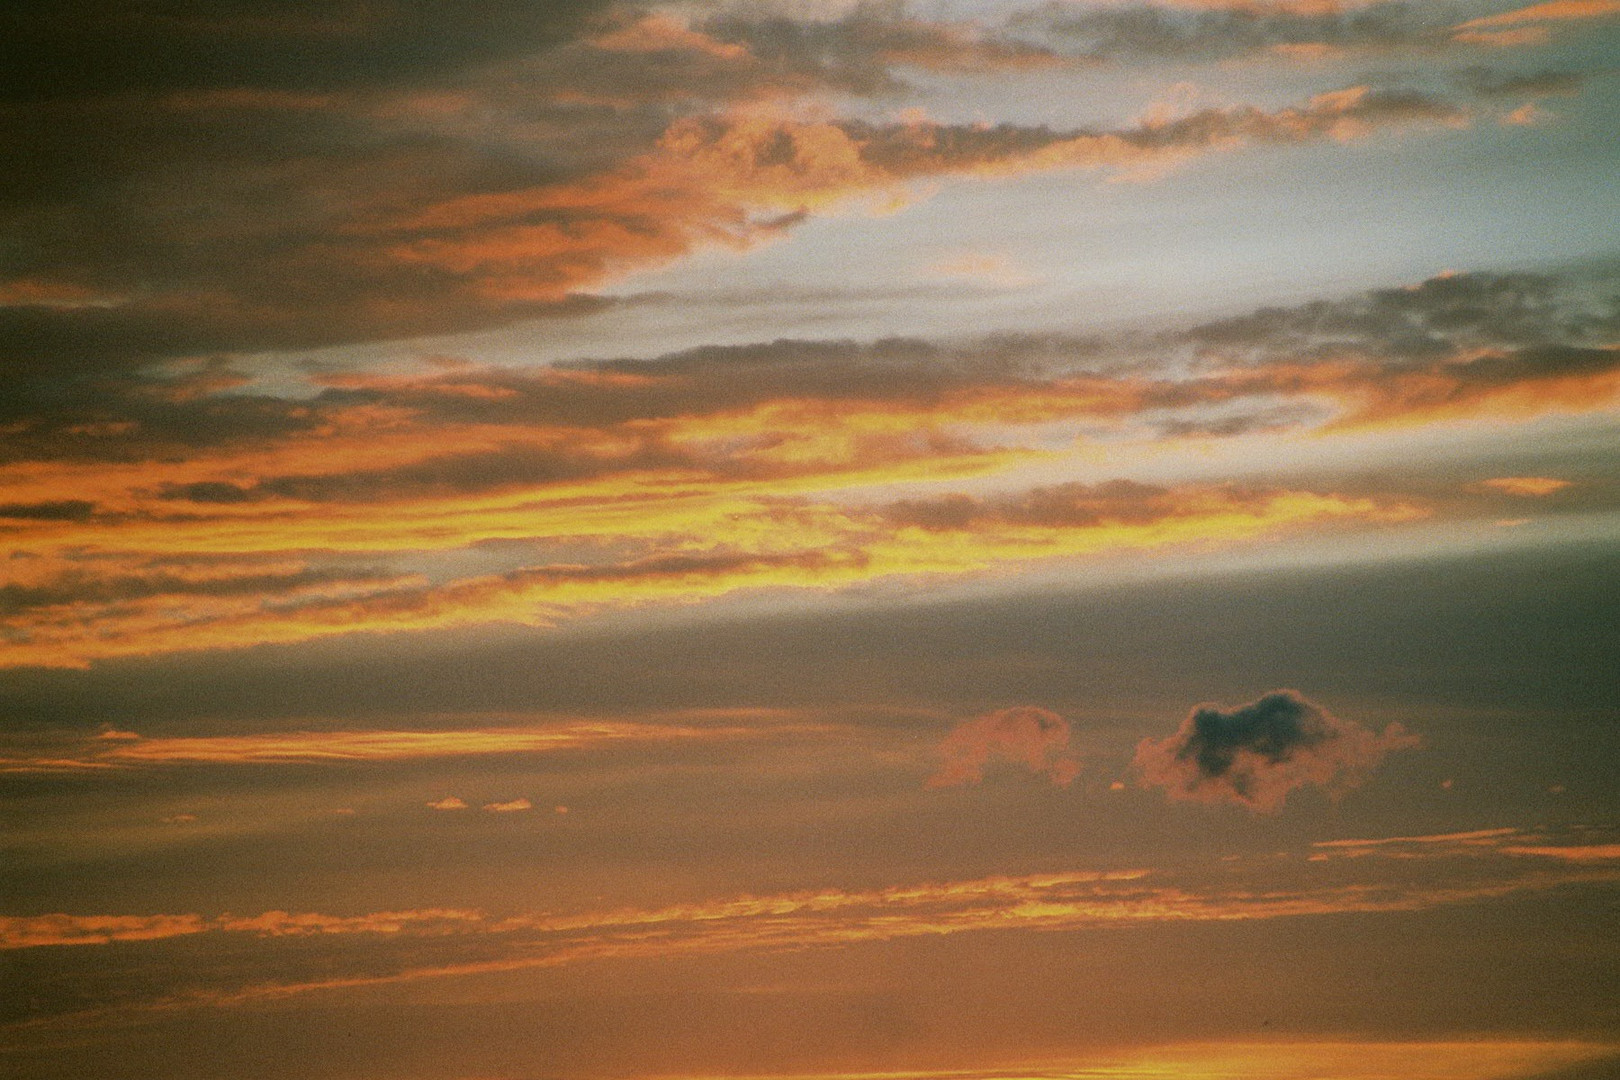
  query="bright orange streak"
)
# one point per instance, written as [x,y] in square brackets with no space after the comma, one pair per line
[1528,486]
[1050,901]
[1551,11]
[1586,853]
[1280,1060]
[757,546]
[359,746]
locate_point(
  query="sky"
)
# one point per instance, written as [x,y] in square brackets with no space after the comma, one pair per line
[920,539]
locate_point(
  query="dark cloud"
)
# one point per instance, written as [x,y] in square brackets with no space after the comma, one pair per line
[1255,754]
[90,591]
[237,218]
[1480,341]
[54,510]
[1073,505]
[1435,318]
[1486,82]
[1193,33]
[99,47]
[861,50]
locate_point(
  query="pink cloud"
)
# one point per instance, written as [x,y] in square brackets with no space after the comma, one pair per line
[1024,734]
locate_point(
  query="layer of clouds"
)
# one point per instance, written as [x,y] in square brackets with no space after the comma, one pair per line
[405,172]
[1255,754]
[113,749]
[280,953]
[176,515]
[1035,738]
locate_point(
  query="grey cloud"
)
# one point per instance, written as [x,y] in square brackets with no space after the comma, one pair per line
[52,510]
[1179,33]
[1445,342]
[1486,82]
[86,585]
[1072,505]
[1435,318]
[1255,754]
[861,50]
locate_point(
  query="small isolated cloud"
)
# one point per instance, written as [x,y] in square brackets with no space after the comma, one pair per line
[1527,486]
[1037,738]
[508,807]
[1255,754]
[450,803]
[179,819]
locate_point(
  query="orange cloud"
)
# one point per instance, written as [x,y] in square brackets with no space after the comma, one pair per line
[1026,735]
[697,475]
[1349,1059]
[1575,853]
[470,942]
[1551,11]
[1527,486]
[1479,843]
[128,750]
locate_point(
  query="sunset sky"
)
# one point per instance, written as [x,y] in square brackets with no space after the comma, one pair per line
[924,540]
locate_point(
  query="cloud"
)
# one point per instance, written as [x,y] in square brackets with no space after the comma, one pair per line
[752,543]
[1217,31]
[1593,853]
[1526,486]
[174,515]
[1025,735]
[126,750]
[1478,844]
[449,802]
[292,953]
[1551,11]
[1255,754]
[393,221]
[513,806]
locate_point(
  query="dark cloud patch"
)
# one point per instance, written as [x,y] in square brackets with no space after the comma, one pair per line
[921,148]
[1255,754]
[88,586]
[1486,82]
[49,510]
[1072,505]
[1435,318]
[436,476]
[1469,341]
[228,221]
[1197,34]
[860,51]
[99,47]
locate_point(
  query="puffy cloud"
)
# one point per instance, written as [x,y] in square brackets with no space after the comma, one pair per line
[510,807]
[1025,735]
[1255,754]
[449,802]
